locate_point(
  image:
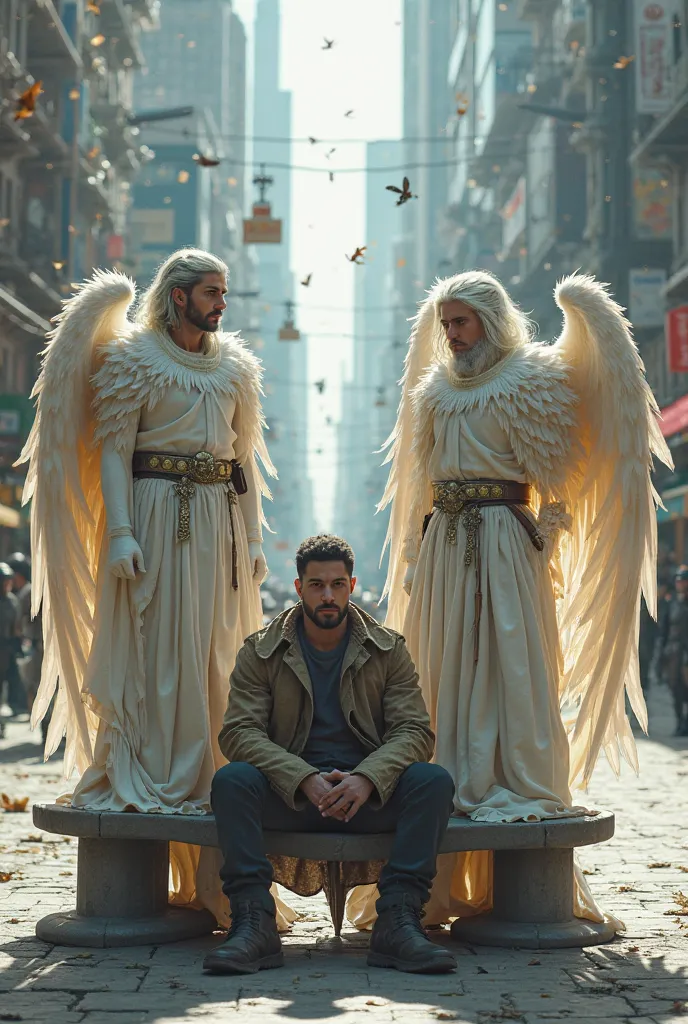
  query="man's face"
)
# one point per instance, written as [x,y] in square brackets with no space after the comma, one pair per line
[205,305]
[682,587]
[325,591]
[462,326]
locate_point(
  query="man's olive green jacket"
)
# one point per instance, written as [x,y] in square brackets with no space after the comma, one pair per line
[270,706]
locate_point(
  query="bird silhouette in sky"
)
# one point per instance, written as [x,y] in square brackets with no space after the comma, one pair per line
[404,192]
[312,140]
[307,280]
[349,113]
[329,43]
[205,161]
[329,154]
[358,255]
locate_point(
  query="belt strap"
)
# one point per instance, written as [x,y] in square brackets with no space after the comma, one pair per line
[462,500]
[186,471]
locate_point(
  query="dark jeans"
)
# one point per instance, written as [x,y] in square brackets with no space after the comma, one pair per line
[417,812]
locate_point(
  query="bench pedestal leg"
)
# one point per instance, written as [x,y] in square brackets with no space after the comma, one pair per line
[532,905]
[122,899]
[336,894]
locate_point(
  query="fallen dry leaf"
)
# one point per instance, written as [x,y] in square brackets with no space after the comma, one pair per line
[11,804]
[681,900]
[679,1007]
[446,1015]
[13,920]
[683,867]
[64,874]
[376,1001]
[633,949]
[534,963]
[5,876]
[626,888]
[659,864]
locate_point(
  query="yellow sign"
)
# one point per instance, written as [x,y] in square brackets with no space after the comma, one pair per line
[261,228]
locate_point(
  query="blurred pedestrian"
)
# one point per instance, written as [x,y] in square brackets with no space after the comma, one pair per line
[10,702]
[673,648]
[30,630]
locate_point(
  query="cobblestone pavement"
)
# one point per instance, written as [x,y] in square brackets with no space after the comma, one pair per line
[641,977]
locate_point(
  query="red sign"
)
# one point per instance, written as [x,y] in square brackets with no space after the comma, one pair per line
[677,339]
[115,247]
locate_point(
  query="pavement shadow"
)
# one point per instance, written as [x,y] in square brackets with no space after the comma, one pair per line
[327,980]
[27,753]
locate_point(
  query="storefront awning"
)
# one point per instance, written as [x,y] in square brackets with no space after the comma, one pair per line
[675,417]
[9,517]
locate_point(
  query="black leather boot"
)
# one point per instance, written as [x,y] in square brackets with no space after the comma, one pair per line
[252,943]
[399,941]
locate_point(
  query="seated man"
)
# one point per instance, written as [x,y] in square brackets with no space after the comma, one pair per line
[326,730]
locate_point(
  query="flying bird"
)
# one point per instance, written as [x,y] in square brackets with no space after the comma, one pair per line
[204,161]
[329,43]
[26,104]
[331,175]
[357,256]
[320,385]
[307,280]
[329,154]
[623,62]
[404,192]
[312,140]
[349,113]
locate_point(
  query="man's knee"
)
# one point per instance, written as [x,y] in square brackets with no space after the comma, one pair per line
[432,780]
[237,780]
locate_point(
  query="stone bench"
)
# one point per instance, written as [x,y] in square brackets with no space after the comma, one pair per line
[123,868]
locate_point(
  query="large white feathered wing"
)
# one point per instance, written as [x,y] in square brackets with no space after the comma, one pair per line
[610,556]
[67,515]
[407,483]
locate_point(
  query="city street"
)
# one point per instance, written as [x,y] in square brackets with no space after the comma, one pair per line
[640,978]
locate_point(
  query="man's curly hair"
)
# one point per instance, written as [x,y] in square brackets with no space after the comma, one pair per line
[324,547]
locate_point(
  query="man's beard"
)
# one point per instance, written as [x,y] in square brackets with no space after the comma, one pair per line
[195,317]
[476,360]
[331,621]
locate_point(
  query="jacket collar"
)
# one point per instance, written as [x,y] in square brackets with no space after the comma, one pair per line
[283,628]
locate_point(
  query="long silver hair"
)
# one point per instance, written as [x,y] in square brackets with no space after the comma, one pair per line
[183,269]
[505,326]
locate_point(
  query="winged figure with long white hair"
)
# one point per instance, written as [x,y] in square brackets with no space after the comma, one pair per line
[146,525]
[522,534]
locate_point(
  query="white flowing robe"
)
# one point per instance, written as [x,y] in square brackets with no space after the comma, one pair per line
[499,729]
[165,643]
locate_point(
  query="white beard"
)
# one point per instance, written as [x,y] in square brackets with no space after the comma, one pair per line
[477,360]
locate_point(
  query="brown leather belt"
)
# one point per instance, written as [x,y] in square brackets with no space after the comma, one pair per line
[186,471]
[461,501]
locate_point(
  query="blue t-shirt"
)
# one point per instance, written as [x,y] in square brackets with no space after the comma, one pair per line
[331,743]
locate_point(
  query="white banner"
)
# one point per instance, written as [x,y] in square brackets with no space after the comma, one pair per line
[646,299]
[654,57]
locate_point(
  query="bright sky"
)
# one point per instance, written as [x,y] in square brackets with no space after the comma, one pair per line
[361,72]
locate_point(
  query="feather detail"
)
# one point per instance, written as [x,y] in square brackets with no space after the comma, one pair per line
[532,402]
[136,370]
[610,555]
[399,489]
[67,517]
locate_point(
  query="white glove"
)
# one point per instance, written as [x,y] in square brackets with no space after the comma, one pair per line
[259,567]
[408,577]
[125,557]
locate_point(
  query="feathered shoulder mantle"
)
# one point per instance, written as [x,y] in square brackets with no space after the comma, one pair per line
[134,371]
[529,395]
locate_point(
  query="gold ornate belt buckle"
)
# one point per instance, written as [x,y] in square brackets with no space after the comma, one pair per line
[203,469]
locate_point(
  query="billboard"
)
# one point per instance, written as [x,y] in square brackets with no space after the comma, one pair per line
[677,339]
[654,57]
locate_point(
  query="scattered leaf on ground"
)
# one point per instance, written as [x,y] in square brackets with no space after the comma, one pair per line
[659,864]
[679,1007]
[63,874]
[11,804]
[681,901]
[446,1015]
[633,949]
[626,888]
[5,876]
[683,867]
[376,1001]
[534,963]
